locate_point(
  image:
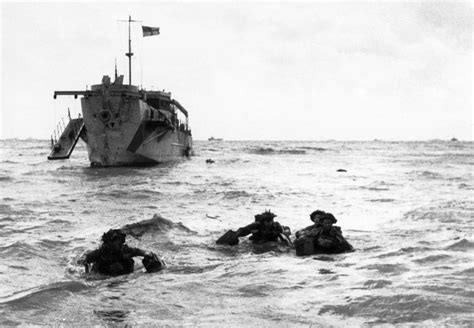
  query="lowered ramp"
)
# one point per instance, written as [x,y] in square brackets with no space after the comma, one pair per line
[68,140]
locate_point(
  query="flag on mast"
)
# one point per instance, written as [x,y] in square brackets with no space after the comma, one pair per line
[149,31]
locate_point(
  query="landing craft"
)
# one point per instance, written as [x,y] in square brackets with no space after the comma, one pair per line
[214,139]
[124,125]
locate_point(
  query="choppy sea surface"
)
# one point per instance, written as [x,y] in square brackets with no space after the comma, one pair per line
[406,207]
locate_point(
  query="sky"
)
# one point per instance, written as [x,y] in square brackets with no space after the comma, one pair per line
[251,71]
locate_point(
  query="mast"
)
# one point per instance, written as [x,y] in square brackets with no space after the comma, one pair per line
[129,54]
[115,69]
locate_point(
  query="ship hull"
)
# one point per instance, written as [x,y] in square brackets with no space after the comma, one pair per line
[120,132]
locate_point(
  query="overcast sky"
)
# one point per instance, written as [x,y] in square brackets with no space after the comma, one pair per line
[283,71]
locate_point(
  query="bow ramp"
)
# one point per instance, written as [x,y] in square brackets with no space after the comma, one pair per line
[63,147]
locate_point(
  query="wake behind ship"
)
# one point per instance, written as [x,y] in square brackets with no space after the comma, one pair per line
[123,125]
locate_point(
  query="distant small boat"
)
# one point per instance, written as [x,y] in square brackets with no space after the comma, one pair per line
[454,139]
[214,139]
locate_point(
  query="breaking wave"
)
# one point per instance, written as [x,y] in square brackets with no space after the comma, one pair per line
[32,298]
[462,245]
[156,224]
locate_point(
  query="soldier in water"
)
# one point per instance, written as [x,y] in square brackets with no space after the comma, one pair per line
[316,217]
[321,237]
[114,257]
[263,230]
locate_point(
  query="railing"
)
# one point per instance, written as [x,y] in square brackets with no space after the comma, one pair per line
[59,130]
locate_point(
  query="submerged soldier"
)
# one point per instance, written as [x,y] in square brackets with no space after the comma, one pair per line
[316,217]
[321,237]
[263,230]
[114,257]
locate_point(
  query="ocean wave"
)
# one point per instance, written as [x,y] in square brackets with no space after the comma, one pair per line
[377,186]
[4,178]
[174,183]
[448,290]
[462,245]
[37,296]
[49,244]
[387,268]
[314,148]
[446,212]
[261,150]
[20,250]
[7,219]
[234,194]
[382,200]
[433,259]
[192,269]
[18,267]
[233,160]
[301,150]
[113,317]
[404,251]
[59,221]
[292,151]
[254,290]
[129,194]
[156,224]
[376,284]
[398,309]
[465,186]
[427,175]
[5,207]
[468,272]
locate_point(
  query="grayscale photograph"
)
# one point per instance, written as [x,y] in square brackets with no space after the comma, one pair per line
[236,164]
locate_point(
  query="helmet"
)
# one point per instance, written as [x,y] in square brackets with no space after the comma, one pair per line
[112,235]
[329,216]
[265,216]
[317,215]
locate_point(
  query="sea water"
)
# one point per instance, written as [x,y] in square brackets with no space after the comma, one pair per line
[406,207]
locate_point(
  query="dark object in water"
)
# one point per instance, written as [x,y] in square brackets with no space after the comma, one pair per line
[229,238]
[341,170]
[209,161]
[454,139]
[152,263]
[304,246]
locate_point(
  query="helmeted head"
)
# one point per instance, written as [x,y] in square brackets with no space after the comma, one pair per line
[265,217]
[114,236]
[316,216]
[327,221]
